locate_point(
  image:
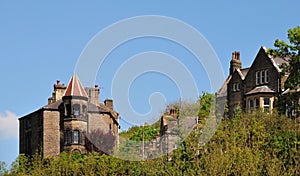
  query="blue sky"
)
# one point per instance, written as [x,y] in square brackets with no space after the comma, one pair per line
[40,42]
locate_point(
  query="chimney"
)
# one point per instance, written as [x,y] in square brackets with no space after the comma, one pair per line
[235,62]
[108,103]
[58,91]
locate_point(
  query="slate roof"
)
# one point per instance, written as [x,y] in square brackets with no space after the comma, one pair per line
[53,106]
[244,72]
[260,89]
[75,88]
[223,90]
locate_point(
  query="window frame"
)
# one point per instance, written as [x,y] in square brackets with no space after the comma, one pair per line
[76,136]
[257,80]
[266,106]
[76,109]
[68,138]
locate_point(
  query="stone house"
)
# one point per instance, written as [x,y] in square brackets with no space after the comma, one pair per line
[255,87]
[62,125]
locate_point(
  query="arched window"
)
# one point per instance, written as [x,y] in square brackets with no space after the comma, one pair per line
[76,137]
[76,109]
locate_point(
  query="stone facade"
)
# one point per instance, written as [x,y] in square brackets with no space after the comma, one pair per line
[255,87]
[62,125]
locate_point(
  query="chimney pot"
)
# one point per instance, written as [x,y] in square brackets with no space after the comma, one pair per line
[58,82]
[238,55]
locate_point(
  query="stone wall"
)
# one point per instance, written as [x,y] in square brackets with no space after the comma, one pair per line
[51,141]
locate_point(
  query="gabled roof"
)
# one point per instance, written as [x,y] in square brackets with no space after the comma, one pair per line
[75,88]
[223,90]
[260,89]
[276,61]
[242,72]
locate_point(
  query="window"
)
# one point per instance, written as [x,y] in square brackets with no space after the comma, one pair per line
[262,77]
[84,109]
[236,87]
[68,136]
[250,105]
[68,108]
[267,105]
[266,76]
[76,136]
[76,109]
[256,102]
[257,77]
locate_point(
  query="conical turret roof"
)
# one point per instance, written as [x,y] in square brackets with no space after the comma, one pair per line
[75,88]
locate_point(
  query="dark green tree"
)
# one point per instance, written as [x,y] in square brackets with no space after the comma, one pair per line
[291,51]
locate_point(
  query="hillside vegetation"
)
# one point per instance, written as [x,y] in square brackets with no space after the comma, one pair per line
[249,144]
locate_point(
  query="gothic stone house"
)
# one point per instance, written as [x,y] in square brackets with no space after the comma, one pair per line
[255,87]
[72,111]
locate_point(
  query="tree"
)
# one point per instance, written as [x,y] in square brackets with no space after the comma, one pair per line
[206,101]
[290,50]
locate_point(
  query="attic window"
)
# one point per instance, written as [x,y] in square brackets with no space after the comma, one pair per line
[257,77]
[262,77]
[236,87]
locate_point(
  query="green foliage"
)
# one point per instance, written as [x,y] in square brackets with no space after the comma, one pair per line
[149,134]
[206,101]
[3,169]
[291,51]
[253,144]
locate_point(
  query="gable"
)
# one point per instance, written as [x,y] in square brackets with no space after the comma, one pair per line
[263,63]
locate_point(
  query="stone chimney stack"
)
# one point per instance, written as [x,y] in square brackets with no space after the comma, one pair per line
[58,92]
[109,103]
[235,62]
[93,94]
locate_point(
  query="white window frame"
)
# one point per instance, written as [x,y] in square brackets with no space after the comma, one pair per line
[267,105]
[76,137]
[262,77]
[266,76]
[257,80]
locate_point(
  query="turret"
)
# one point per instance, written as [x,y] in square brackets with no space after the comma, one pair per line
[75,101]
